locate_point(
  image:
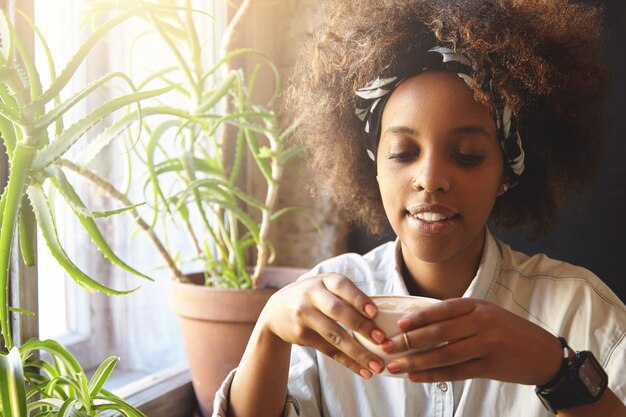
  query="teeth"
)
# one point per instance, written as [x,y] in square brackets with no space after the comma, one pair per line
[431,217]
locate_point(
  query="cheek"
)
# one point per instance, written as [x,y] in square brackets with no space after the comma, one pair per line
[392,189]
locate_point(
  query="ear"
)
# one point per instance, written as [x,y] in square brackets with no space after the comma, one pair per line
[505,182]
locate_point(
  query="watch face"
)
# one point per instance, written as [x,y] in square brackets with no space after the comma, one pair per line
[592,375]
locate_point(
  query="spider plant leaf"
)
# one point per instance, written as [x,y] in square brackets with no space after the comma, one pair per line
[57,351]
[27,233]
[102,374]
[12,388]
[69,409]
[12,198]
[47,404]
[111,402]
[40,370]
[60,182]
[48,228]
[58,147]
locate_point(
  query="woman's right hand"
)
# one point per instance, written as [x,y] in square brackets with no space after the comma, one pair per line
[310,312]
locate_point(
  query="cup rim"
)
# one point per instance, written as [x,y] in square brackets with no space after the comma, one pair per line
[426,300]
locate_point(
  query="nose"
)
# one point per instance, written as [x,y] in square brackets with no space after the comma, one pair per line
[431,175]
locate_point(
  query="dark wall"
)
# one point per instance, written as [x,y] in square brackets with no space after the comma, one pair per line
[592,235]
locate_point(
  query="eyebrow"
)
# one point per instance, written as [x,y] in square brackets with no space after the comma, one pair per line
[471,130]
[459,131]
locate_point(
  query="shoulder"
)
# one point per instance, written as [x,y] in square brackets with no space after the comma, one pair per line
[368,271]
[543,273]
[566,299]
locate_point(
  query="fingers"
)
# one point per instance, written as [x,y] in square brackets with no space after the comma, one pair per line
[444,310]
[348,305]
[350,293]
[433,334]
[449,358]
[334,341]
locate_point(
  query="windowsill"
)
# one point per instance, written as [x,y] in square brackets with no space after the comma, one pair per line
[168,393]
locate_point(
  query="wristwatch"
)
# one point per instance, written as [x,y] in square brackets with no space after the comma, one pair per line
[580,380]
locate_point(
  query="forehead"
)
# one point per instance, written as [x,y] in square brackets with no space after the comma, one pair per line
[436,100]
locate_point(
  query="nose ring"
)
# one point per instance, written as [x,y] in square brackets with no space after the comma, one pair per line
[414,185]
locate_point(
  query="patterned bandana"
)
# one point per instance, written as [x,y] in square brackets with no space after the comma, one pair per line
[373,98]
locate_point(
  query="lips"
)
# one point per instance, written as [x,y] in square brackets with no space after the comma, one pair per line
[432,218]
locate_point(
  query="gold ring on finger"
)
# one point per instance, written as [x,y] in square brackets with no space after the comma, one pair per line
[406,340]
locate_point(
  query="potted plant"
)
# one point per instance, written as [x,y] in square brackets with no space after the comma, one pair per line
[195,157]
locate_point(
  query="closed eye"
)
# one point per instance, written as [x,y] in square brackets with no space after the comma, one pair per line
[468,160]
[402,156]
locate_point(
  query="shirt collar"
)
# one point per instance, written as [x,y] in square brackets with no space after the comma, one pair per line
[480,286]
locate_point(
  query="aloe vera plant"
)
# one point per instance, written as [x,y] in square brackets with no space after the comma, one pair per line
[190,181]
[36,140]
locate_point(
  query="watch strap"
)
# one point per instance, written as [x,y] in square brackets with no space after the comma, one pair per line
[567,389]
[562,373]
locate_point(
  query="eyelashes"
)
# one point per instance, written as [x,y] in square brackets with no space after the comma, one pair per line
[469,160]
[462,159]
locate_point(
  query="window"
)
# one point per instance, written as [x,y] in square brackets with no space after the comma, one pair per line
[139,327]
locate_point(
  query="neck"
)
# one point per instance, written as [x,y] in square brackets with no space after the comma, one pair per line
[442,280]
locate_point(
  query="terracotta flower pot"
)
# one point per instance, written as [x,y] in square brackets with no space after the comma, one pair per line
[216,324]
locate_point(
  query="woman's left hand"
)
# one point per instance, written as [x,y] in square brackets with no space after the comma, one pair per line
[482,340]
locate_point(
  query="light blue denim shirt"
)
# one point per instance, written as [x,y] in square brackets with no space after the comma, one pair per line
[566,300]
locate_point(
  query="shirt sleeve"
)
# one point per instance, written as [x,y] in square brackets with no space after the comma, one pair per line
[303,390]
[615,369]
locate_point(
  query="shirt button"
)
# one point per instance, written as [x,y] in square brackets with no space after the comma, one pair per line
[442,386]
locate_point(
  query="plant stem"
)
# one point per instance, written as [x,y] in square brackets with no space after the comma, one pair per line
[113,192]
[270,202]
[228,39]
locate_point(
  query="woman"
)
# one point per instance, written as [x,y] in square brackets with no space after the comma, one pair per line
[442,116]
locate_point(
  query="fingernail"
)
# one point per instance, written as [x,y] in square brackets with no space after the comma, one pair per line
[370,310]
[403,323]
[393,366]
[378,336]
[387,346]
[414,376]
[375,366]
[365,373]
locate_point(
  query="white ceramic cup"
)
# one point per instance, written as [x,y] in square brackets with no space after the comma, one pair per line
[390,309]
